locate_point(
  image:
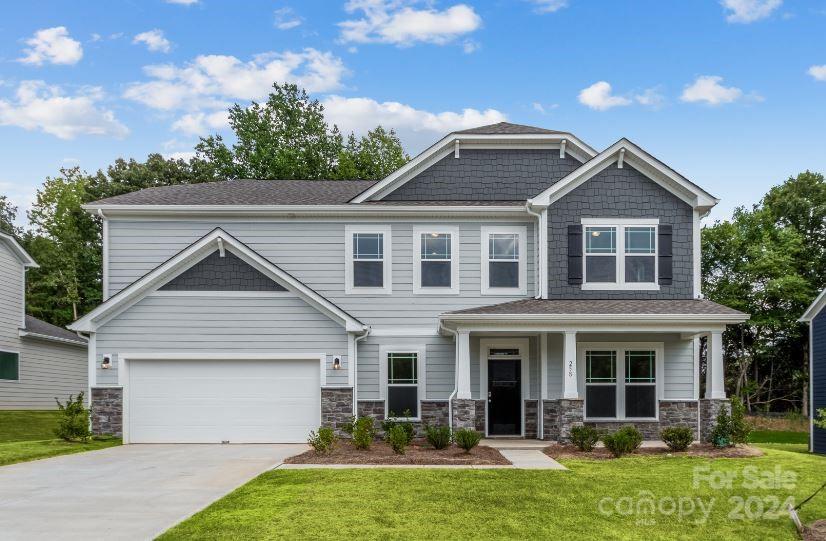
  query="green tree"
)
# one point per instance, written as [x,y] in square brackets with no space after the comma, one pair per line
[8,214]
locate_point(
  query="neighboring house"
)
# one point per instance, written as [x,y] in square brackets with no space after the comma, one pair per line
[38,361]
[509,278]
[815,316]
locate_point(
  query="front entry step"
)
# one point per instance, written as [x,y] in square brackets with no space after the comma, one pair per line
[514,443]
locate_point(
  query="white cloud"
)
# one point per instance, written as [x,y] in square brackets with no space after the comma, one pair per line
[184,155]
[549,6]
[748,11]
[818,72]
[544,109]
[286,19]
[708,89]
[598,96]
[38,106]
[201,123]
[396,22]
[154,40]
[651,97]
[213,81]
[52,46]
[182,2]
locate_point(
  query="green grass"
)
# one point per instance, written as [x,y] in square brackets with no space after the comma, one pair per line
[514,504]
[778,436]
[29,435]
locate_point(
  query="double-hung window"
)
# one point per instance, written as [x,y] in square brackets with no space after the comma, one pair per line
[504,270]
[620,255]
[9,366]
[368,259]
[403,375]
[621,380]
[436,260]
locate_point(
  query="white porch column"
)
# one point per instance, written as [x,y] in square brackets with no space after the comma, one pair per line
[91,367]
[463,365]
[715,380]
[569,378]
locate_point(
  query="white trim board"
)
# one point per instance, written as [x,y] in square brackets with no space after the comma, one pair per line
[187,257]
[814,309]
[18,251]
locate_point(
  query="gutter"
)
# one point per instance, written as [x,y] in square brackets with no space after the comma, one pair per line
[82,343]
[455,374]
[356,368]
[537,249]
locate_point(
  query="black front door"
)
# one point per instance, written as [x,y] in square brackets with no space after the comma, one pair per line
[504,397]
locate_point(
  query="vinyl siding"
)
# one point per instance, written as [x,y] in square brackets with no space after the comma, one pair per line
[314,253]
[818,329]
[205,324]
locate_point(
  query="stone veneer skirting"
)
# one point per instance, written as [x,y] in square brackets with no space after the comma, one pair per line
[434,413]
[107,411]
[336,408]
[709,408]
[469,413]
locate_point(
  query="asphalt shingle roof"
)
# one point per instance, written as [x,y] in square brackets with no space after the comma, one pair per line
[246,192]
[506,128]
[37,326]
[604,307]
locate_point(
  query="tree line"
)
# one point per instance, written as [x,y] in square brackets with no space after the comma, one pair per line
[768,260]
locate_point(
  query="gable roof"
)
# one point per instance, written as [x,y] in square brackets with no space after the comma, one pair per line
[502,135]
[640,160]
[36,328]
[18,250]
[245,192]
[217,239]
[814,309]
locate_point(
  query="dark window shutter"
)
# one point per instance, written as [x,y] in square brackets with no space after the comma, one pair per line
[664,254]
[574,254]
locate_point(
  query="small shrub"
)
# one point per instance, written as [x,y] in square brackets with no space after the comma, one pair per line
[467,439]
[350,426]
[740,426]
[625,440]
[397,438]
[73,424]
[438,436]
[364,431]
[721,433]
[388,424]
[584,437]
[323,440]
[820,419]
[677,438]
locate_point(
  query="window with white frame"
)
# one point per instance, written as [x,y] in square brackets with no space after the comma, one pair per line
[9,365]
[437,260]
[368,259]
[403,374]
[504,270]
[621,381]
[620,255]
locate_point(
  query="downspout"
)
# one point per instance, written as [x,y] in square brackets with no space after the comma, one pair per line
[355,362]
[455,374]
[537,249]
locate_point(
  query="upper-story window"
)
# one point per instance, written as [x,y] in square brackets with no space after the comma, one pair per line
[620,254]
[504,270]
[436,261]
[368,263]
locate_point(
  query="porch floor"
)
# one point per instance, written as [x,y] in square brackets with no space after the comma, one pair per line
[514,443]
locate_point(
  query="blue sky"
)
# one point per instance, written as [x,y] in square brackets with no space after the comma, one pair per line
[730,93]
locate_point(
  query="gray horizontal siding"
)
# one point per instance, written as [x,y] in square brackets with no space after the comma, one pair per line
[48,370]
[11,296]
[314,253]
[205,324]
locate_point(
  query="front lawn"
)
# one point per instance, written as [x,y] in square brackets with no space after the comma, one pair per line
[29,435]
[778,436]
[595,500]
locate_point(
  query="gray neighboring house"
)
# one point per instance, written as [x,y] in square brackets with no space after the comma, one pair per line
[509,278]
[38,361]
[815,316]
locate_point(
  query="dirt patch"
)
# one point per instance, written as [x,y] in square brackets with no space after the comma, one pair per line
[815,531]
[698,450]
[417,453]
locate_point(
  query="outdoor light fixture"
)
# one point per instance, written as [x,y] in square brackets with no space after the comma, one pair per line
[336,363]
[106,363]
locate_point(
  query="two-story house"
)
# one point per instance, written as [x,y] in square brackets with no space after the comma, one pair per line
[38,361]
[508,278]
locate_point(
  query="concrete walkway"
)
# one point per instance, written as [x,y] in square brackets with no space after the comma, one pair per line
[128,492]
[524,454]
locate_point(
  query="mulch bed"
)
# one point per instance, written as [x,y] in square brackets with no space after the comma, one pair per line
[699,450]
[418,453]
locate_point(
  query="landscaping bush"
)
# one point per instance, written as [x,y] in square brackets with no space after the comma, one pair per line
[364,431]
[73,423]
[438,436]
[584,437]
[397,437]
[677,438]
[721,433]
[625,440]
[740,426]
[388,424]
[467,439]
[350,426]
[323,440]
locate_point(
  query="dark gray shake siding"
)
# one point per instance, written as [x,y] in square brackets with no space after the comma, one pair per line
[625,193]
[819,375]
[487,175]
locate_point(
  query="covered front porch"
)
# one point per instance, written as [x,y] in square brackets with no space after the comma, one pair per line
[536,374]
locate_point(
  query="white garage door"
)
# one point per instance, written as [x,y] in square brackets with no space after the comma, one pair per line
[212,401]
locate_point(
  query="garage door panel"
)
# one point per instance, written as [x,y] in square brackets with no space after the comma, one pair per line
[197,401]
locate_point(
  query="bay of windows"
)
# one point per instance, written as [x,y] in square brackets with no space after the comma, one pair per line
[620,383]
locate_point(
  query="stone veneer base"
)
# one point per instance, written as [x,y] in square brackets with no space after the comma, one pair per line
[107,411]
[709,408]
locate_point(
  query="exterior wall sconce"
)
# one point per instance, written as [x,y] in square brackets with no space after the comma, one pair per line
[336,363]
[106,363]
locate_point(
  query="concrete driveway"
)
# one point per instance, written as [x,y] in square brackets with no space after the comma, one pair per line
[129,492]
